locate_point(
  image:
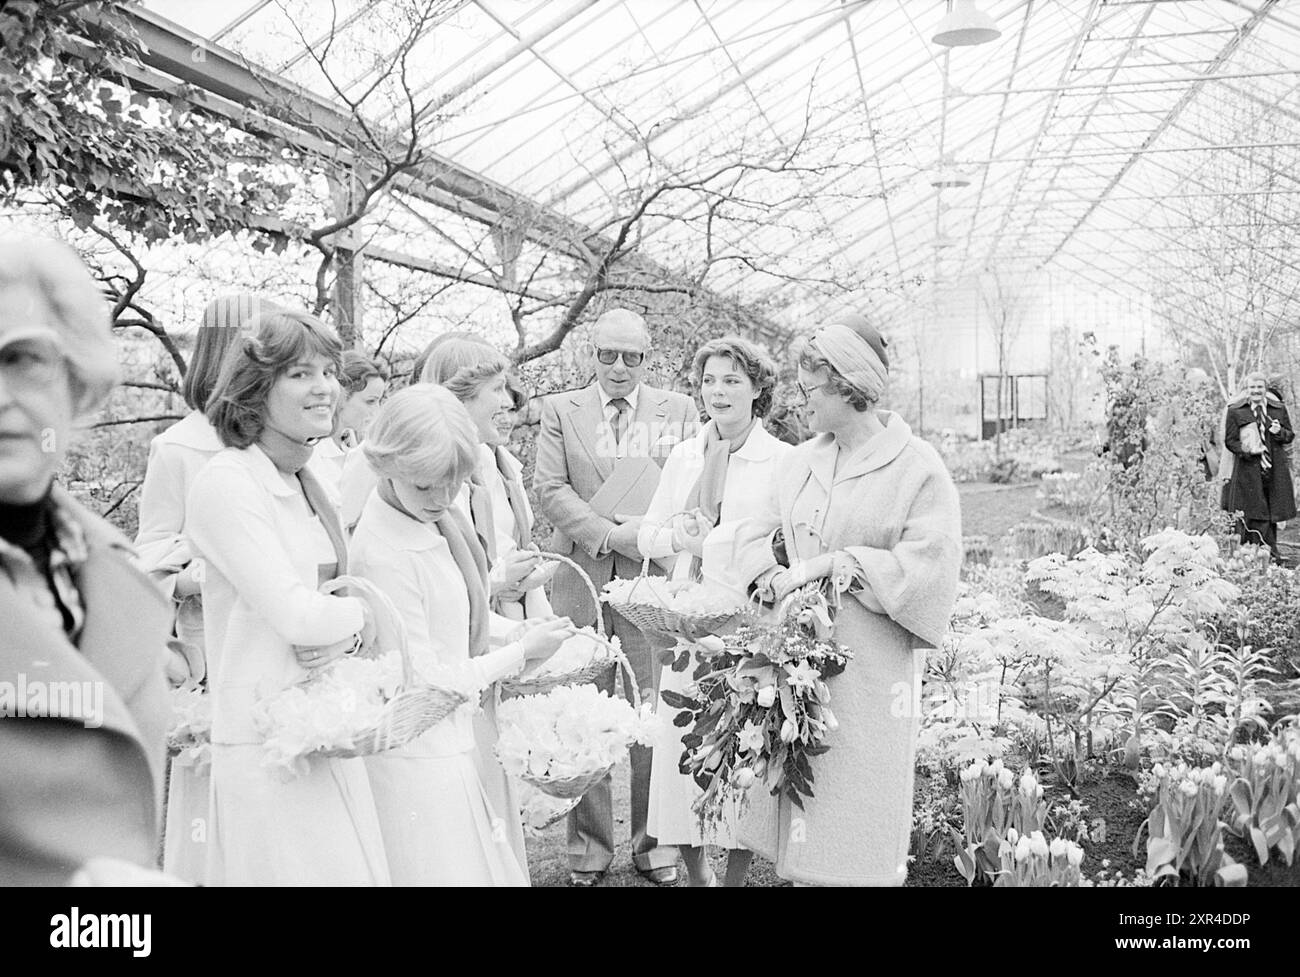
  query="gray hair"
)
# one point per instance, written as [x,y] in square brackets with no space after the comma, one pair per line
[77,312]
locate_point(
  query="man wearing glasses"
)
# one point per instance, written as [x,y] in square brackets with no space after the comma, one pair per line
[584,436]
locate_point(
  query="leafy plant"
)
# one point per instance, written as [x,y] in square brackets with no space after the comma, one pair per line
[1032,862]
[1266,795]
[993,803]
[1184,830]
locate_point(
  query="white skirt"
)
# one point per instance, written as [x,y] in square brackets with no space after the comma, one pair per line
[669,817]
[439,826]
[185,837]
[317,829]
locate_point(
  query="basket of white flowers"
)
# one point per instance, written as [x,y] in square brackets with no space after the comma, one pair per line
[584,657]
[359,705]
[567,741]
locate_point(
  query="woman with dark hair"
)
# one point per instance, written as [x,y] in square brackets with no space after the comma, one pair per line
[175,457]
[869,507]
[270,537]
[723,473]
[362,383]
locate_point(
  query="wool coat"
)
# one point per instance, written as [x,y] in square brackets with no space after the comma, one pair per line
[1247,492]
[894,509]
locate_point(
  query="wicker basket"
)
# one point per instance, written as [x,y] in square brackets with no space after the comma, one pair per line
[509,688]
[417,707]
[655,620]
[575,787]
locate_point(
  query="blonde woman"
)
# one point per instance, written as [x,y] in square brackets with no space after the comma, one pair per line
[441,825]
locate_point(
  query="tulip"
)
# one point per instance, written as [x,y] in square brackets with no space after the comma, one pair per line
[1038,844]
[1189,788]
[1159,770]
[823,692]
[712,643]
[997,767]
[767,696]
[1075,855]
[743,778]
[1028,782]
[1220,784]
[829,719]
[789,731]
[1005,779]
[1058,847]
[1023,849]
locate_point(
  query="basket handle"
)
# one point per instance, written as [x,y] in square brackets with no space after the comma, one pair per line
[379,602]
[586,579]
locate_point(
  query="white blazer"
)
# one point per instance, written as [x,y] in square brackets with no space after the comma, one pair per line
[262,546]
[750,474]
[175,457]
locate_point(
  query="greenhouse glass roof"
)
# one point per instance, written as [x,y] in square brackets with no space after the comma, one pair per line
[1151,143]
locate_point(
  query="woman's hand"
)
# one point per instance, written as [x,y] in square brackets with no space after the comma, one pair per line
[189,582]
[689,530]
[543,639]
[321,655]
[805,571]
[510,571]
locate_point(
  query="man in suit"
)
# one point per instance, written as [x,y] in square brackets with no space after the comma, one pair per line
[1260,489]
[83,702]
[584,434]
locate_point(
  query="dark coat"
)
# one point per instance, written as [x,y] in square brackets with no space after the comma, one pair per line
[76,788]
[1246,492]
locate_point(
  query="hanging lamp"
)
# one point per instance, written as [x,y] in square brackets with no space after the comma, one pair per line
[948,176]
[965,25]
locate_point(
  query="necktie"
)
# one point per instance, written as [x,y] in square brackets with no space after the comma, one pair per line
[618,419]
[1262,419]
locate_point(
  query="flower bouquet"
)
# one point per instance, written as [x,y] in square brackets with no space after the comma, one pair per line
[672,608]
[357,706]
[566,741]
[189,735]
[758,706]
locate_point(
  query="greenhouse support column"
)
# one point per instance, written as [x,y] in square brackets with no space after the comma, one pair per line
[348,268]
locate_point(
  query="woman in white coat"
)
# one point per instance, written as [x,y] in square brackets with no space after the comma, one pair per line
[441,825]
[175,457]
[872,508]
[723,473]
[493,497]
[266,529]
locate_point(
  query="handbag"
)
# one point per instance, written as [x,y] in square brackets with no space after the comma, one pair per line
[1250,440]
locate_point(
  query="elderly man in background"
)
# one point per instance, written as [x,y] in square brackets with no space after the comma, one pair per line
[1257,433]
[586,437]
[83,706]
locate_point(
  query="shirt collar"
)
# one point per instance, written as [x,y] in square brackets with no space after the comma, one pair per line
[631,398]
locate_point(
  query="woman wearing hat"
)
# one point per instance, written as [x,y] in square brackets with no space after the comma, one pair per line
[870,506]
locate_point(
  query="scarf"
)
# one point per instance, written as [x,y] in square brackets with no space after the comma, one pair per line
[853,357]
[706,493]
[473,566]
[322,505]
[480,507]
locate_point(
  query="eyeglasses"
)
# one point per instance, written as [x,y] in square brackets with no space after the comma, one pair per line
[804,392]
[608,356]
[30,362]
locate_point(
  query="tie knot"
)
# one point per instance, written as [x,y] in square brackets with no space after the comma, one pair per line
[620,404]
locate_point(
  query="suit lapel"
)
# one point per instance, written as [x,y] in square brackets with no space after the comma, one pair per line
[590,427]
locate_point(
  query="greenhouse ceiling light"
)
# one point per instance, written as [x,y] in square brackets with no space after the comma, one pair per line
[964,25]
[947,177]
